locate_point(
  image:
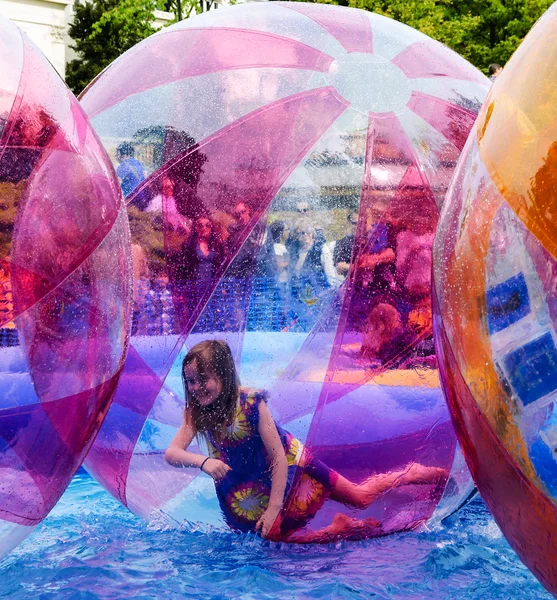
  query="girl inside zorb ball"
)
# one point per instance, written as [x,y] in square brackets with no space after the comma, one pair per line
[283,166]
[253,461]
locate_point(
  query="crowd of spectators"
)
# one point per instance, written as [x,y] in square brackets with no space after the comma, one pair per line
[282,277]
[232,273]
[236,269]
[274,281]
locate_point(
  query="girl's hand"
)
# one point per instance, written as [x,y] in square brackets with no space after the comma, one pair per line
[216,469]
[267,520]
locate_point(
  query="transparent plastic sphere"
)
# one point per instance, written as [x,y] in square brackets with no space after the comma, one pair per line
[495,288]
[283,165]
[65,285]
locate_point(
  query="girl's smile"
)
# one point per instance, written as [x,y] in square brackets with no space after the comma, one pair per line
[204,390]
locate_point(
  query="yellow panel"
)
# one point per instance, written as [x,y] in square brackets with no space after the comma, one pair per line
[517,134]
[424,378]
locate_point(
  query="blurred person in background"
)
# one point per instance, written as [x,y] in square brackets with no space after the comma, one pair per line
[494,71]
[129,170]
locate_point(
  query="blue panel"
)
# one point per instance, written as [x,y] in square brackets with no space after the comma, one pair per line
[507,303]
[532,369]
[545,464]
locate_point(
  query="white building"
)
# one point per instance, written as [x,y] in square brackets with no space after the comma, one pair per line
[46,22]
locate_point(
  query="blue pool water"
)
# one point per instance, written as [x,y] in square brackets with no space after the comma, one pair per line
[90,547]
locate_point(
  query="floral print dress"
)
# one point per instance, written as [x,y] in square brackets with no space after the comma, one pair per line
[244,493]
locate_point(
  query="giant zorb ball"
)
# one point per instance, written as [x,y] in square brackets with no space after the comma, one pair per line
[65,285]
[226,128]
[495,287]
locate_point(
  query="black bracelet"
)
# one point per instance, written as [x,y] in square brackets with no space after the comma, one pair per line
[203,463]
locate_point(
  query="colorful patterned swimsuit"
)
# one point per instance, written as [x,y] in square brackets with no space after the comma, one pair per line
[244,493]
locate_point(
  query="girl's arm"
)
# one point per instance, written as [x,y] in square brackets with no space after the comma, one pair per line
[177,455]
[279,468]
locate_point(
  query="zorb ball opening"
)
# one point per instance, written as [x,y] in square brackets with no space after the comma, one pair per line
[283,173]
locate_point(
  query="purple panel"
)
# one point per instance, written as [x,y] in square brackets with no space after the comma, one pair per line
[433,446]
[351,28]
[427,59]
[209,50]
[453,121]
[110,456]
[386,307]
[46,446]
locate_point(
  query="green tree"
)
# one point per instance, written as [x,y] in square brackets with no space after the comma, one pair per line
[102,30]
[503,25]
[183,8]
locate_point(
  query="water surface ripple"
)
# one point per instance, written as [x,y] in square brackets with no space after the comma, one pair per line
[92,548]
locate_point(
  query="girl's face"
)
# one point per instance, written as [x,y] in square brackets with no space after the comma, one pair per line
[204,390]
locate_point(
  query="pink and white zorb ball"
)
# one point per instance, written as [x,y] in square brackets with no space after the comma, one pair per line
[65,285]
[345,126]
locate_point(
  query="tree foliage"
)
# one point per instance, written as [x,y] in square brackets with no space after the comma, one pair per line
[183,8]
[503,25]
[483,31]
[102,30]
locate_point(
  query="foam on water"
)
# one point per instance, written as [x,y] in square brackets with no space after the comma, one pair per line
[90,547]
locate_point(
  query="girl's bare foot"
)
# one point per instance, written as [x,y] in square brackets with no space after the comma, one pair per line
[364,494]
[413,474]
[416,473]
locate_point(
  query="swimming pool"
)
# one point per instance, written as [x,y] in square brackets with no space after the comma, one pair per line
[91,547]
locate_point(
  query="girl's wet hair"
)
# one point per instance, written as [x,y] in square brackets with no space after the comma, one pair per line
[213,358]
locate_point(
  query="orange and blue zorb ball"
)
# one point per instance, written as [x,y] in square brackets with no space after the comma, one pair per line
[283,166]
[65,285]
[495,263]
